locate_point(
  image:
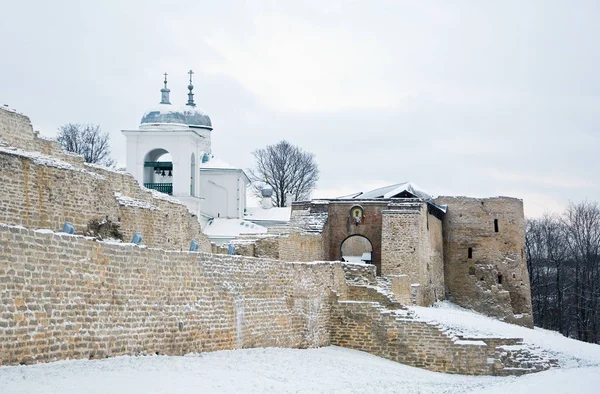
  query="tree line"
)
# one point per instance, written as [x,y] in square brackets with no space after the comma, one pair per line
[563,260]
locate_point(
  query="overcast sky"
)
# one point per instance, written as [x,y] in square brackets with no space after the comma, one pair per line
[478,98]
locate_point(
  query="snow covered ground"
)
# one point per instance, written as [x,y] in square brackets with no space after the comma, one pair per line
[326,370]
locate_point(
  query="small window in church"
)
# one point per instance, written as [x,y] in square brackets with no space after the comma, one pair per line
[496,225]
[470,253]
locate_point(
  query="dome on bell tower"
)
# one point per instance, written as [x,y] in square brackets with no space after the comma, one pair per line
[167,114]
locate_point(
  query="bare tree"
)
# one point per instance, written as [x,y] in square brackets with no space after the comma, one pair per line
[87,140]
[287,169]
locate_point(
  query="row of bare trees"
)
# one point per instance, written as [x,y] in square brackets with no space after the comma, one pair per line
[563,258]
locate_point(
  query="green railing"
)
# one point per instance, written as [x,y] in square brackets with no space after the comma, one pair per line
[166,188]
[164,165]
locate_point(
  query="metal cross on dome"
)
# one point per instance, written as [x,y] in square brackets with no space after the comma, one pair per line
[191,73]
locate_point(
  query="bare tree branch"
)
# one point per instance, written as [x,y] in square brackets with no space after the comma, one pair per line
[86,140]
[287,169]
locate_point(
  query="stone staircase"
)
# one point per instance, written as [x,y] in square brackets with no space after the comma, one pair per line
[369,318]
[519,360]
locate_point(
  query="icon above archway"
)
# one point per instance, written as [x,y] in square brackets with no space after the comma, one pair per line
[356,213]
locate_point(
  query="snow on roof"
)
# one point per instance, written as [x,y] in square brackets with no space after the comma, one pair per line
[231,228]
[275,214]
[215,163]
[353,195]
[393,190]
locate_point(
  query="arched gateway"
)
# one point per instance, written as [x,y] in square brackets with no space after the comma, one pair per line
[357,249]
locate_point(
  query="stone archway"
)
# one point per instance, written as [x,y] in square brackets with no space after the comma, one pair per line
[158,171]
[357,248]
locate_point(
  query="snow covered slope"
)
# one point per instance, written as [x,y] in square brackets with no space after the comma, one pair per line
[465,323]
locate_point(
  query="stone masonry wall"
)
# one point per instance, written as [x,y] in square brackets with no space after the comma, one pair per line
[493,278]
[41,191]
[412,246]
[293,246]
[65,296]
[15,129]
[366,326]
[37,195]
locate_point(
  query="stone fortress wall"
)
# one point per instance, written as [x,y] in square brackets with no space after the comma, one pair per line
[69,296]
[43,191]
[458,256]
[287,244]
[412,246]
[485,267]
[64,297]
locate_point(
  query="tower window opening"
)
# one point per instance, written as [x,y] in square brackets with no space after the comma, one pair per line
[496,225]
[470,253]
[499,279]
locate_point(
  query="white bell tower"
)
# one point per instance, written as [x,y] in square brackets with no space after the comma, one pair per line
[165,151]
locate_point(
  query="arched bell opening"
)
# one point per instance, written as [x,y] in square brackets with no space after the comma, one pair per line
[158,171]
[357,249]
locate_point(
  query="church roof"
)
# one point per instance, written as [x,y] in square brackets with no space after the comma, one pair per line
[169,114]
[208,161]
[165,113]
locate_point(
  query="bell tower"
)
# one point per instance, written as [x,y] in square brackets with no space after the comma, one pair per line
[163,153]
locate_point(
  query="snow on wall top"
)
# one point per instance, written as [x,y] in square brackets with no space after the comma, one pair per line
[132,202]
[45,160]
[6,108]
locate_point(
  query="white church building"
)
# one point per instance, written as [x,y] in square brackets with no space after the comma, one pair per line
[171,152]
